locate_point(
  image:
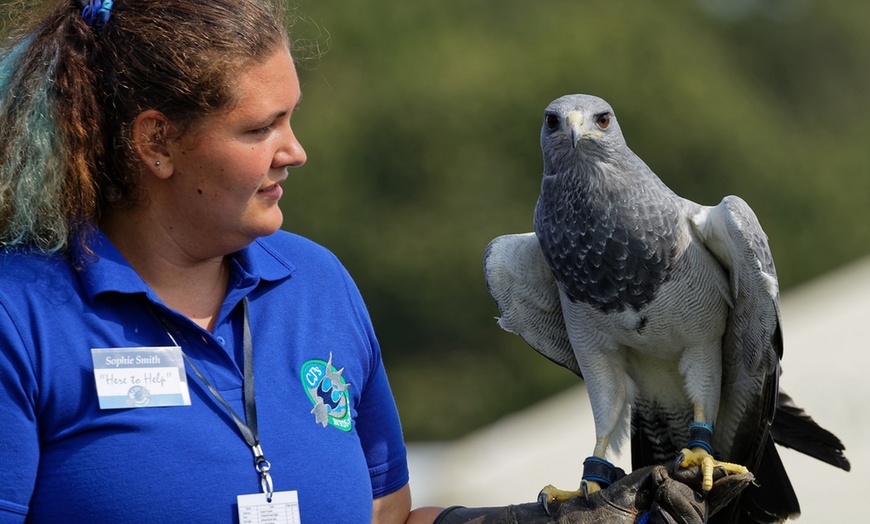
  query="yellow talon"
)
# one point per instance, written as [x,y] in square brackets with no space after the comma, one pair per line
[551,494]
[554,494]
[698,456]
[594,467]
[591,487]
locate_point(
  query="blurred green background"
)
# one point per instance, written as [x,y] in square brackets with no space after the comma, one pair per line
[421,122]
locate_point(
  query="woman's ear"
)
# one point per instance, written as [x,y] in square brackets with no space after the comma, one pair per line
[150,131]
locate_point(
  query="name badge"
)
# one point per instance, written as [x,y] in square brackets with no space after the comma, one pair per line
[283,508]
[143,377]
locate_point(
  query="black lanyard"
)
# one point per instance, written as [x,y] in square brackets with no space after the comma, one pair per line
[249,430]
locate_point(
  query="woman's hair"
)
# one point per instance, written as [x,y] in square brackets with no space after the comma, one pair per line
[70,91]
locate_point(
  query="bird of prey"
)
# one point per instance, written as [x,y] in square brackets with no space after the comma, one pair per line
[668,309]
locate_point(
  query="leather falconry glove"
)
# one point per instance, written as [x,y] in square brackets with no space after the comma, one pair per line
[650,495]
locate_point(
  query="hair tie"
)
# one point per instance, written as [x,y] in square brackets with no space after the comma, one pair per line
[96,12]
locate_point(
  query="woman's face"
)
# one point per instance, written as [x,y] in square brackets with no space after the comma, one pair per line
[227,172]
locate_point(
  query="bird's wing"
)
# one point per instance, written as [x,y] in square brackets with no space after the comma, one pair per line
[731,232]
[522,286]
[752,344]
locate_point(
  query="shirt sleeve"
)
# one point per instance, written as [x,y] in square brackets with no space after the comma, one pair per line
[19,436]
[378,424]
[381,435]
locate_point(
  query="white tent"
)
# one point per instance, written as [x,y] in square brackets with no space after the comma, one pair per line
[827,355]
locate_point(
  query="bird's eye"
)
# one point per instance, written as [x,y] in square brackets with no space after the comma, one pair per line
[551,121]
[603,120]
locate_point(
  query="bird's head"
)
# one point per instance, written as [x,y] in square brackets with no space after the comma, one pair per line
[580,126]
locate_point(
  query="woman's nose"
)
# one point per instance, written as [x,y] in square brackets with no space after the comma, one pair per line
[290,154]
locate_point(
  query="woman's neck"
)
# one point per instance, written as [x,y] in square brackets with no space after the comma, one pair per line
[195,292]
[193,285]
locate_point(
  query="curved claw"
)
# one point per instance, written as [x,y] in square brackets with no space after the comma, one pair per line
[589,487]
[544,501]
[698,456]
[551,494]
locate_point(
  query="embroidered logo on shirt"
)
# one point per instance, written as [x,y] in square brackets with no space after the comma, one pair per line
[327,390]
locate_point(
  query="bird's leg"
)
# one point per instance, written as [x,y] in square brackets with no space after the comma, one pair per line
[699,451]
[701,367]
[551,493]
[598,473]
[607,388]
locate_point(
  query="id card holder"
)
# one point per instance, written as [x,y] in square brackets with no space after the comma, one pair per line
[141,377]
[283,509]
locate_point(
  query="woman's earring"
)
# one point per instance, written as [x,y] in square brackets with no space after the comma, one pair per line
[157,163]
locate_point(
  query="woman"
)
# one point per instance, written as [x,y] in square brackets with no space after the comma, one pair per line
[144,283]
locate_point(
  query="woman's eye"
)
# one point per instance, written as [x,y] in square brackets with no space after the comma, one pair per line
[603,120]
[262,130]
[551,121]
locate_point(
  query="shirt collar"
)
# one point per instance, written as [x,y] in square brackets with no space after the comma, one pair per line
[106,270]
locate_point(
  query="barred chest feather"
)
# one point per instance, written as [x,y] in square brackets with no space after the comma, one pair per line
[610,247]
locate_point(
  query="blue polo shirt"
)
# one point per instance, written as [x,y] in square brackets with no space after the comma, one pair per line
[63,459]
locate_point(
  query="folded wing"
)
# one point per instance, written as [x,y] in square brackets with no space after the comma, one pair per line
[522,286]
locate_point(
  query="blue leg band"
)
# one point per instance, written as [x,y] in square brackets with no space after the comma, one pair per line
[601,471]
[701,436]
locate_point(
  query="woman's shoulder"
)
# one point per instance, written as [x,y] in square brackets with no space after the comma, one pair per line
[22,264]
[282,239]
[314,268]
[43,280]
[295,250]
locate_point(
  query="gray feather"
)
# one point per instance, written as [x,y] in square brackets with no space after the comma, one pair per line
[523,288]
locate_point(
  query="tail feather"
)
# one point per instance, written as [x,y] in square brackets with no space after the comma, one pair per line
[793,428]
[770,500]
[774,499]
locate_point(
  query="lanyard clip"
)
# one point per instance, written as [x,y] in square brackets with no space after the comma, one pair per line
[263,466]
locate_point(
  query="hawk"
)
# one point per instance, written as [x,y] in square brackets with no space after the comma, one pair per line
[669,311]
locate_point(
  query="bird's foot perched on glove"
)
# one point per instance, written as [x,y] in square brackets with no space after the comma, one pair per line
[551,494]
[654,494]
[698,456]
[699,452]
[598,473]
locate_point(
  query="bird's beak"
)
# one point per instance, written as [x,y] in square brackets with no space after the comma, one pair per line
[575,127]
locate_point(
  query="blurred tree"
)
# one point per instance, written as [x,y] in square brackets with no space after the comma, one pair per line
[422,119]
